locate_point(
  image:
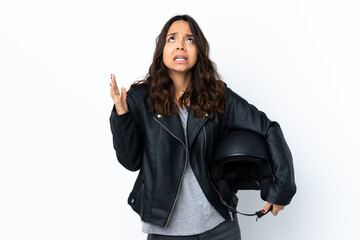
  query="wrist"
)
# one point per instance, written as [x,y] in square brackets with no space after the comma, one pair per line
[119,110]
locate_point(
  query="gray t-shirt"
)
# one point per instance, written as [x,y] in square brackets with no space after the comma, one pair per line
[192,213]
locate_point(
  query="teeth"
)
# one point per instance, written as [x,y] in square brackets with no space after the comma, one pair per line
[180,58]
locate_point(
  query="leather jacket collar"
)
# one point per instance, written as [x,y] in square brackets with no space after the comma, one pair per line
[173,125]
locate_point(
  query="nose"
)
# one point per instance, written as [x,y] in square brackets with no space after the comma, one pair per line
[180,46]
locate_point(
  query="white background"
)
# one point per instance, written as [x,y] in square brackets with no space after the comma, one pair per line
[298,61]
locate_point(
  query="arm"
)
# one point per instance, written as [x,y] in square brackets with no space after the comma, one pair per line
[127,136]
[240,114]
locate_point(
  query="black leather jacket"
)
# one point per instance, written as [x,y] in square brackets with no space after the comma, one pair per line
[156,146]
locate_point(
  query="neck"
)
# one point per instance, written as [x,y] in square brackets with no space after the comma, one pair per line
[181,82]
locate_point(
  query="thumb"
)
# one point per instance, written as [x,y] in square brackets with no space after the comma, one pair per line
[123,94]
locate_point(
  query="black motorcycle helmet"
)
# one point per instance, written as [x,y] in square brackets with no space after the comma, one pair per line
[241,162]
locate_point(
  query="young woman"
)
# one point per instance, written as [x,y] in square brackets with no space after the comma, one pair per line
[166,126]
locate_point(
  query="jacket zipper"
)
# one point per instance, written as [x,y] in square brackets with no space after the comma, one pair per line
[182,174]
[222,201]
[205,140]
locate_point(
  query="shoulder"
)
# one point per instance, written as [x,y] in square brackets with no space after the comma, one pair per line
[228,91]
[138,96]
[233,96]
[139,91]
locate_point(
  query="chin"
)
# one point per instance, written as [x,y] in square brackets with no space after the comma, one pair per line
[181,70]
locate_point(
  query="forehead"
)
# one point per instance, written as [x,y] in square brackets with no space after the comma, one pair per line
[180,26]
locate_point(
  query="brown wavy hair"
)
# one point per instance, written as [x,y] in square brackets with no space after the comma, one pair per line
[206,91]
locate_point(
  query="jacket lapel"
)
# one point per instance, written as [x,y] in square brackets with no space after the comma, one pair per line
[194,125]
[172,124]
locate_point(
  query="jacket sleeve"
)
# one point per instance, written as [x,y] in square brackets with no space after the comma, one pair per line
[127,136]
[242,115]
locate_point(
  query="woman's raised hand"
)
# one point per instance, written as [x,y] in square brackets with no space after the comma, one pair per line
[118,97]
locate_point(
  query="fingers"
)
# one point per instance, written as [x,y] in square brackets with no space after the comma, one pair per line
[267,207]
[114,86]
[275,210]
[112,92]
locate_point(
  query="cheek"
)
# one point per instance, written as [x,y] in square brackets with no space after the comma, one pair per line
[166,54]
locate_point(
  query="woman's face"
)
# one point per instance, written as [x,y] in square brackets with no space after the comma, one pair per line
[179,53]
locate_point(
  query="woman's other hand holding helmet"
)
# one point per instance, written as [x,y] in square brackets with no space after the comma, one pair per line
[275,210]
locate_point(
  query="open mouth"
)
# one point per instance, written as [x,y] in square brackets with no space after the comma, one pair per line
[180,58]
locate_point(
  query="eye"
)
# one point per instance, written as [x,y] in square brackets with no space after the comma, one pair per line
[171,38]
[191,40]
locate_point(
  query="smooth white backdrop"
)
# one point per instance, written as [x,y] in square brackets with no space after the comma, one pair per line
[298,61]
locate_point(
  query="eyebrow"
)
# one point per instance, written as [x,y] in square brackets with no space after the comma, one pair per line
[171,34]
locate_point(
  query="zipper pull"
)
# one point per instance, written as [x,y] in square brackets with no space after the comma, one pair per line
[229,209]
[231,216]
